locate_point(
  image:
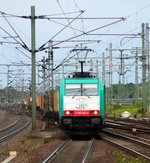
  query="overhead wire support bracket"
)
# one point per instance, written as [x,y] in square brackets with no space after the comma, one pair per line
[59,32]
[49,17]
[90,31]
[23,43]
[87,18]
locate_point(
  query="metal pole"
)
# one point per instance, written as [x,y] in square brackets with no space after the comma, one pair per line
[97,72]
[148,59]
[143,70]
[103,68]
[110,73]
[33,71]
[119,86]
[136,77]
[91,65]
[7,90]
[81,62]
[123,78]
[52,73]
[44,86]
[126,88]
[51,76]
[22,88]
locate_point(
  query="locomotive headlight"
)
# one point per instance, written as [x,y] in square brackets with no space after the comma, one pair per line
[67,112]
[95,112]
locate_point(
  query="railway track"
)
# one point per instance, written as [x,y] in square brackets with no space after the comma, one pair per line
[72,151]
[132,144]
[12,130]
[127,126]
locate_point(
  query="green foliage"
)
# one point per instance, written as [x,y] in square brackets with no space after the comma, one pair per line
[116,111]
[11,94]
[123,158]
[127,90]
[116,106]
[138,105]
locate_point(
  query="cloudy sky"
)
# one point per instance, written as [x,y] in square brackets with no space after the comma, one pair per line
[136,12]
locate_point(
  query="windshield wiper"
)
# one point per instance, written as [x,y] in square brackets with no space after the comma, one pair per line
[82,91]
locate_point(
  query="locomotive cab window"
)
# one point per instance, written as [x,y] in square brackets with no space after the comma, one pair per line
[72,90]
[81,90]
[90,89]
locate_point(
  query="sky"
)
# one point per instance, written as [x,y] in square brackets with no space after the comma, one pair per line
[135,13]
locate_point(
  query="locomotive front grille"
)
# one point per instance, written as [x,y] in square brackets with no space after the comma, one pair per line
[81,121]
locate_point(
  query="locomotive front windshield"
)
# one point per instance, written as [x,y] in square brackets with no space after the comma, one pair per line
[81,90]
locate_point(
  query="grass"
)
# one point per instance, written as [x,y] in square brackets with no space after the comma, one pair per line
[116,110]
[123,158]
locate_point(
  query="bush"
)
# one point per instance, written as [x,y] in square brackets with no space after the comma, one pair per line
[138,105]
[116,106]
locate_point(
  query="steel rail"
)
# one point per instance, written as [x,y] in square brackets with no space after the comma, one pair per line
[128,122]
[127,149]
[54,154]
[5,128]
[128,137]
[88,152]
[15,132]
[140,138]
[127,126]
[57,151]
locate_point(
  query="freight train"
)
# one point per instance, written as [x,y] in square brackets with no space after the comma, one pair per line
[82,104]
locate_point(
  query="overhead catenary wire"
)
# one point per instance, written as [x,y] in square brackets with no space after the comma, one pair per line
[76,4]
[9,35]
[61,14]
[90,31]
[69,18]
[16,48]
[23,44]
[65,59]
[65,27]
[6,58]
[13,38]
[126,33]
[78,50]
[127,17]
[84,18]
[67,13]
[9,15]
[139,10]
[66,16]
[25,55]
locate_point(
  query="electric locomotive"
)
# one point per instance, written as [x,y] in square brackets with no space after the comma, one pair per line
[82,104]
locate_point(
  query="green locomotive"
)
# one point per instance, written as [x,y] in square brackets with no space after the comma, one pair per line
[82,104]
